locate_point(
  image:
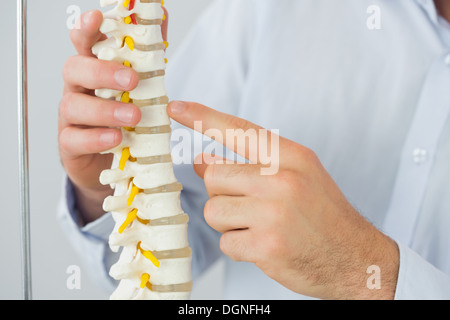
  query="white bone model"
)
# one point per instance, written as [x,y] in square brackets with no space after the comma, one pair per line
[151,227]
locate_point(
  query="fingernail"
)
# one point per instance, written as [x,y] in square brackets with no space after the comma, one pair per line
[123,77]
[87,17]
[108,138]
[124,114]
[177,107]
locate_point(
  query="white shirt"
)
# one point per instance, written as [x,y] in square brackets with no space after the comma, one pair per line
[372,103]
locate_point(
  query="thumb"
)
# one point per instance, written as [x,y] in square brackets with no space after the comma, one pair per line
[203,160]
[165,24]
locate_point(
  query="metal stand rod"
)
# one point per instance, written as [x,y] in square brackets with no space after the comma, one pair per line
[23,145]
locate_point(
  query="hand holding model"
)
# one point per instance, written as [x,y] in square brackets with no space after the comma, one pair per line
[87,124]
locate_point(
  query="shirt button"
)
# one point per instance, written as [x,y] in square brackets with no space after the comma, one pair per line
[420,156]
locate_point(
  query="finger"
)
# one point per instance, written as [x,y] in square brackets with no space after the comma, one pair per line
[238,245]
[226,213]
[243,137]
[75,142]
[203,160]
[82,73]
[165,24]
[82,109]
[235,180]
[88,34]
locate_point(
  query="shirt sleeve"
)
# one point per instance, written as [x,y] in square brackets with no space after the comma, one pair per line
[91,241]
[420,280]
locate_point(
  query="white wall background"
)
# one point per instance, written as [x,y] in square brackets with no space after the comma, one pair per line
[49,46]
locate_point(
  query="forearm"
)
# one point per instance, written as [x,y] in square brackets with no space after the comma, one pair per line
[89,241]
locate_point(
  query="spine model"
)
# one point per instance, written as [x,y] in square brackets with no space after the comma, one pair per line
[151,227]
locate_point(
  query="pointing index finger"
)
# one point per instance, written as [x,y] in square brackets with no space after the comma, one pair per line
[245,138]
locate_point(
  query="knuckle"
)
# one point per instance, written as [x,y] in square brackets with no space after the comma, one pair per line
[73,36]
[97,71]
[233,170]
[273,246]
[228,247]
[209,175]
[66,71]
[273,209]
[100,113]
[209,211]
[64,106]
[274,214]
[294,186]
[231,247]
[223,243]
[307,157]
[285,179]
[64,140]
[235,122]
[310,156]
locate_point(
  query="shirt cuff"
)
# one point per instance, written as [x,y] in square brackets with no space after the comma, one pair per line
[419,279]
[90,241]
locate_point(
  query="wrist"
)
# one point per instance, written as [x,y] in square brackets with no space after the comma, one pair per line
[377,274]
[90,202]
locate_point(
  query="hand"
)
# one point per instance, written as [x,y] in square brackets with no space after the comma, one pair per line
[295,225]
[84,120]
